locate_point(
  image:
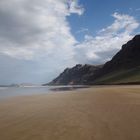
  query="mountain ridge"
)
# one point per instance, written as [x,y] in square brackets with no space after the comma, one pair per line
[126,60]
[78,74]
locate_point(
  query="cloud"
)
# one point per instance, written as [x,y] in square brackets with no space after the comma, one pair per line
[37,31]
[74,7]
[33,26]
[138,9]
[101,48]
[82,30]
[122,24]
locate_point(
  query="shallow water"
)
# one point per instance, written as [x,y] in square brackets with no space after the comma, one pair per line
[21,91]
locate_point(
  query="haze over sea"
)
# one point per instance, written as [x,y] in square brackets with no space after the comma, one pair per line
[22,91]
[6,92]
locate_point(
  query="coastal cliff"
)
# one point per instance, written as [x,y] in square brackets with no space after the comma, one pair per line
[123,68]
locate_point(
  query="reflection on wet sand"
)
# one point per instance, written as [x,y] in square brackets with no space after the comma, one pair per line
[67,88]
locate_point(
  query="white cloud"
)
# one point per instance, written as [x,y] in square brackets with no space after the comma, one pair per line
[109,40]
[82,30]
[31,26]
[38,30]
[74,7]
[123,23]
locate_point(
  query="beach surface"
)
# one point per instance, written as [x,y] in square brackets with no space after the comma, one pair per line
[96,113]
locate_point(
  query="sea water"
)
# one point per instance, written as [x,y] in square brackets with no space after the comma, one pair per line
[6,92]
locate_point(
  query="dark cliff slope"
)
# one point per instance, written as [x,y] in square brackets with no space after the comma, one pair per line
[124,68]
[124,65]
[80,74]
[128,57]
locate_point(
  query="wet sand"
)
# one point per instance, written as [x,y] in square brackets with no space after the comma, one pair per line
[98,113]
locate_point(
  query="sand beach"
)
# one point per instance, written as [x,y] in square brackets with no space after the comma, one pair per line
[96,113]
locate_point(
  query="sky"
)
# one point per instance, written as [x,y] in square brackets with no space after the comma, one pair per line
[40,38]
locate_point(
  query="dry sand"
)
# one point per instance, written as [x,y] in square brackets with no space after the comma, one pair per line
[98,113]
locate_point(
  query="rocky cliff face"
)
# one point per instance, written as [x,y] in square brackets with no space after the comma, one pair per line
[80,74]
[127,58]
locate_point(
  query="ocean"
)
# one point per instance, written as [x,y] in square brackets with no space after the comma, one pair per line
[6,92]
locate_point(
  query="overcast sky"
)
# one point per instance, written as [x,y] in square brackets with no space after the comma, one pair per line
[40,38]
